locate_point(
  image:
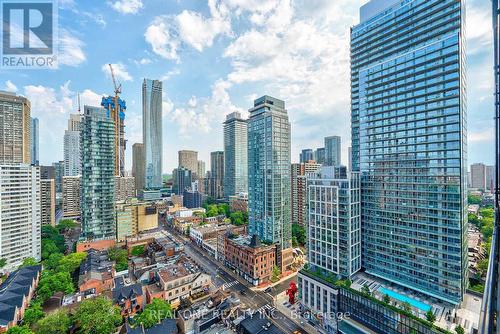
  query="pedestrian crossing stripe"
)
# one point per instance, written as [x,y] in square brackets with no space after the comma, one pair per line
[228,285]
[264,308]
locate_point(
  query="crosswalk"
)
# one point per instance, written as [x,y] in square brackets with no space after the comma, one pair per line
[228,285]
[265,309]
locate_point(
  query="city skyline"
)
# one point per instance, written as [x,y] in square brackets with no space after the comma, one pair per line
[194,112]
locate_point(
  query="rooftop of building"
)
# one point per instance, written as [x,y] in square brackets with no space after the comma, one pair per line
[257,324]
[121,291]
[14,290]
[183,267]
[96,266]
[166,326]
[246,240]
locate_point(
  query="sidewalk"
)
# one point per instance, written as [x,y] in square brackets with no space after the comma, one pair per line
[266,285]
[292,312]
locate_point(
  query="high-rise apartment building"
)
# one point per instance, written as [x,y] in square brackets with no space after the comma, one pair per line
[98,175]
[490,177]
[34,142]
[72,154]
[299,175]
[235,155]
[48,202]
[58,174]
[124,188]
[478,176]
[269,171]
[334,229]
[15,124]
[20,222]
[138,165]
[152,132]
[408,114]
[216,190]
[189,160]
[333,150]
[71,192]
[201,169]
[319,155]
[183,180]
[117,113]
[306,155]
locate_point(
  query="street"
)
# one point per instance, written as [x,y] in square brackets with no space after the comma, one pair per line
[255,300]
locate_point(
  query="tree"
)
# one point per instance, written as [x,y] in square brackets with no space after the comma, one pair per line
[387,299]
[299,232]
[474,199]
[3,262]
[238,218]
[482,266]
[71,262]
[53,261]
[27,262]
[155,312]
[366,290]
[137,250]
[19,330]
[295,243]
[66,224]
[54,323]
[119,255]
[430,316]
[51,283]
[406,307]
[48,247]
[275,275]
[33,313]
[96,316]
[459,330]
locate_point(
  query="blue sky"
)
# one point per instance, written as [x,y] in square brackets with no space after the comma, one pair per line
[215,57]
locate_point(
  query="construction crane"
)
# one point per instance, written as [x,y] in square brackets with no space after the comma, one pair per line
[115,115]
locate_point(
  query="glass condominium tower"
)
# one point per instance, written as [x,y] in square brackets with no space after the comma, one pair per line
[152,132]
[269,172]
[408,105]
[235,155]
[98,174]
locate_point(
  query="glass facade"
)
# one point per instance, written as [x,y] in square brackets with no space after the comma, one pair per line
[152,132]
[334,224]
[269,171]
[332,151]
[98,174]
[408,107]
[235,155]
[34,141]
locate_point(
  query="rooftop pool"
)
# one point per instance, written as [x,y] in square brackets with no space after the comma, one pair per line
[413,302]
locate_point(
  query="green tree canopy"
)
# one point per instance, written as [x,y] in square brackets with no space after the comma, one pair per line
[33,313]
[51,283]
[459,330]
[19,330]
[66,224]
[430,316]
[153,313]
[239,218]
[27,262]
[3,262]
[71,262]
[120,256]
[299,232]
[474,199]
[137,250]
[275,275]
[97,316]
[54,323]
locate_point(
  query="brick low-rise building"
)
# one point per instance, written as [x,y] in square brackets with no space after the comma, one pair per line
[250,258]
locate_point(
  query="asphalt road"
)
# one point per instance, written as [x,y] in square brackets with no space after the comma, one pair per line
[255,300]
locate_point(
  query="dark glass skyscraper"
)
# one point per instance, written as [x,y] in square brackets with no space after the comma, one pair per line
[408,105]
[152,132]
[235,155]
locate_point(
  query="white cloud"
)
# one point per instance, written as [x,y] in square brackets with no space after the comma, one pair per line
[127,6]
[119,70]
[478,29]
[170,74]
[143,61]
[10,87]
[200,114]
[70,49]
[167,34]
[485,135]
